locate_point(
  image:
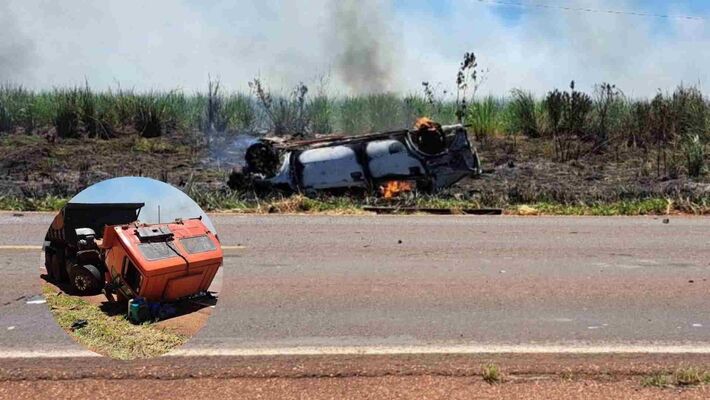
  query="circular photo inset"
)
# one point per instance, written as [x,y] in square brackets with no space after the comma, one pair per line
[133,267]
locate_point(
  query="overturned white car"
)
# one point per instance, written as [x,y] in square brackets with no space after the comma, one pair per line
[429,157]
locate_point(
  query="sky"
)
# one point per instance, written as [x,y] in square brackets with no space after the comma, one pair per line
[173,202]
[353,46]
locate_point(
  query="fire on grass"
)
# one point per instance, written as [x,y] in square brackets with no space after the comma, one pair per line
[394,188]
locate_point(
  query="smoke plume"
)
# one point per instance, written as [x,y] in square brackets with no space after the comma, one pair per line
[364,45]
[15,48]
[367,45]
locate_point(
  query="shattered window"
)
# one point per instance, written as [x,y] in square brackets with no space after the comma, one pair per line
[198,244]
[156,251]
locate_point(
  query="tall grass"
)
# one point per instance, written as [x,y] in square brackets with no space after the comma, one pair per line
[672,128]
[524,114]
[483,117]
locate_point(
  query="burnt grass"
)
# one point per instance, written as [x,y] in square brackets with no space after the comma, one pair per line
[36,166]
[524,173]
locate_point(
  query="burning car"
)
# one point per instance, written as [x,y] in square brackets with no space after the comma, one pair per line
[429,157]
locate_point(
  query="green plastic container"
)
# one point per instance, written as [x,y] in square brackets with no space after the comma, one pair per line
[138,311]
[133,311]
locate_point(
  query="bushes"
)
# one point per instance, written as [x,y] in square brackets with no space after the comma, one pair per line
[285,114]
[694,150]
[569,121]
[609,107]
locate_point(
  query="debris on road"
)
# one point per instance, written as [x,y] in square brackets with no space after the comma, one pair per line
[36,300]
[437,211]
[78,324]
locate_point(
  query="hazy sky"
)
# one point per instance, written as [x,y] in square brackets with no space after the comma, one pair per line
[173,203]
[361,46]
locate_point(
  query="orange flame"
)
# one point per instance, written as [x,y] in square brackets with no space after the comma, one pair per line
[394,188]
[424,123]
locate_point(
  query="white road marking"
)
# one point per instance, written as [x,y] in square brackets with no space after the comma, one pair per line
[463,349]
[21,247]
[30,247]
[9,354]
[233,247]
[391,350]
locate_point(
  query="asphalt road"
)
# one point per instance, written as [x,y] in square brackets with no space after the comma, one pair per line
[434,284]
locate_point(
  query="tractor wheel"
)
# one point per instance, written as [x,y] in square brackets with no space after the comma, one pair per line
[50,263]
[85,279]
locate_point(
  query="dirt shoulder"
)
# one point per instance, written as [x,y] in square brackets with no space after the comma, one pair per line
[367,377]
[593,366]
[391,387]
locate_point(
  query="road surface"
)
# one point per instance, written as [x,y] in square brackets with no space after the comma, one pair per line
[386,285]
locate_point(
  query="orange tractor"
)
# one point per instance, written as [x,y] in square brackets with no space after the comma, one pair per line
[102,247]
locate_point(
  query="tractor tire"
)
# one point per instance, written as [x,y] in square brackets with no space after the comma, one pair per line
[85,279]
[50,263]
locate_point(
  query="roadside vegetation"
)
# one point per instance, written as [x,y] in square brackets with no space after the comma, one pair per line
[235,202]
[567,151]
[682,377]
[109,334]
[491,374]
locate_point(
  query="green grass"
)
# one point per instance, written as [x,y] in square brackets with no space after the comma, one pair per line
[113,336]
[686,376]
[47,203]
[485,118]
[658,380]
[492,374]
[349,205]
[232,201]
[635,207]
[156,145]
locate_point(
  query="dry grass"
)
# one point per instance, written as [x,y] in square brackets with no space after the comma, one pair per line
[684,376]
[110,335]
